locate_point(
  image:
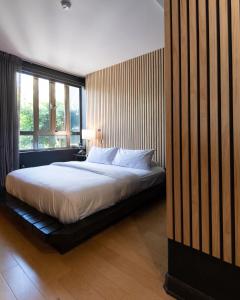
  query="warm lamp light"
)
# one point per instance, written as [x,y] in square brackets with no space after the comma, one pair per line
[99,135]
[88,134]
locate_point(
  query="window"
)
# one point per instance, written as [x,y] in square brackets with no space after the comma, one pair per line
[50,113]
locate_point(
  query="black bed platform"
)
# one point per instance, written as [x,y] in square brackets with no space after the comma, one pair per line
[65,237]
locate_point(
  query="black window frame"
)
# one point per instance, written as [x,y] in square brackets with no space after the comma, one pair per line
[53,76]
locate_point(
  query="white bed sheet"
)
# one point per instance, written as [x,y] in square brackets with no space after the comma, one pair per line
[71,191]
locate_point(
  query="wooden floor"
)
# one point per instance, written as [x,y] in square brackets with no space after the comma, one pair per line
[126,261]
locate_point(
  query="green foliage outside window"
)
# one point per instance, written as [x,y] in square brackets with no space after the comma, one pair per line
[26,118]
[44,138]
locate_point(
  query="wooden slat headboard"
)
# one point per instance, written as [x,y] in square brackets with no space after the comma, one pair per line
[126,102]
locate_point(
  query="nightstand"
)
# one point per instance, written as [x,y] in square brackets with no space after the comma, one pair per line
[79,157]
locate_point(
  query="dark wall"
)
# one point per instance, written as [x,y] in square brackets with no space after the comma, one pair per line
[193,274]
[45,157]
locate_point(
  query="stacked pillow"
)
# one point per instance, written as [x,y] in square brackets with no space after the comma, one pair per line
[137,159]
[102,155]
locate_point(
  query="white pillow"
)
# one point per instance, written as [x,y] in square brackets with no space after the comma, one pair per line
[137,159]
[102,155]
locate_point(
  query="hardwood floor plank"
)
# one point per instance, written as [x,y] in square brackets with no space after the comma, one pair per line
[91,283]
[5,291]
[112,266]
[126,261]
[54,290]
[6,259]
[79,287]
[21,285]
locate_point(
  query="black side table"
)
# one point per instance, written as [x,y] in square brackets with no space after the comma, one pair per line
[79,157]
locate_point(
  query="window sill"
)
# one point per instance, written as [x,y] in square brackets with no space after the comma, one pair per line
[47,150]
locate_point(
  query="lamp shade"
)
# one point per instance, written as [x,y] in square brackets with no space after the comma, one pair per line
[88,134]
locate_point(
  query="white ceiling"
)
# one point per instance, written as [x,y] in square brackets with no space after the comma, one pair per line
[92,35]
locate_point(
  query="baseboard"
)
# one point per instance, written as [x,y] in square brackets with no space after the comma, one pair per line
[182,291]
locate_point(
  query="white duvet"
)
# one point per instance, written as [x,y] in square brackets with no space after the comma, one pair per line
[73,190]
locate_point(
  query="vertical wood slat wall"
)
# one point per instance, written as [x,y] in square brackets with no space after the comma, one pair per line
[202,91]
[126,102]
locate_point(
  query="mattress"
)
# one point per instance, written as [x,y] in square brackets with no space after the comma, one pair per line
[71,191]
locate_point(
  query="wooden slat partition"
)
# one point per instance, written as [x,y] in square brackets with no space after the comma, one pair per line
[176,121]
[202,91]
[126,102]
[203,119]
[214,128]
[225,126]
[168,95]
[194,185]
[235,16]
[185,122]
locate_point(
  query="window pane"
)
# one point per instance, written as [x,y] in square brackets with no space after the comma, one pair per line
[60,106]
[45,142]
[74,109]
[44,115]
[25,142]
[26,103]
[60,141]
[75,140]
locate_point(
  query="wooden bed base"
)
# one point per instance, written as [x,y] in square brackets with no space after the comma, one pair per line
[65,237]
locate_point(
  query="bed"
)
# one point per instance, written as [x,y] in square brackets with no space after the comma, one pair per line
[68,202]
